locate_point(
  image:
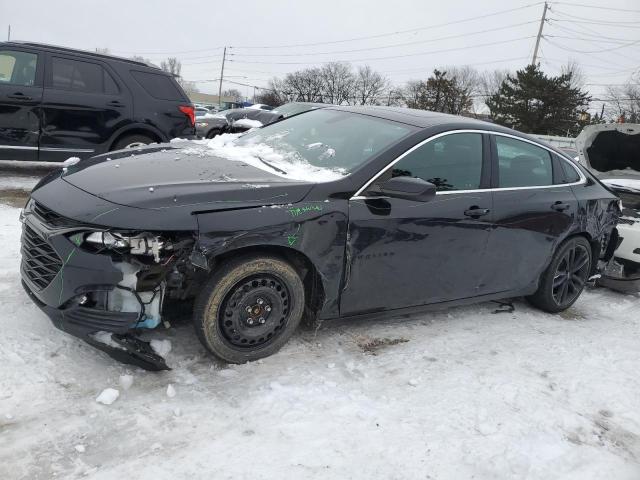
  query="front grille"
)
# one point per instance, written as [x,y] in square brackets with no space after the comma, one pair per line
[40,262]
[53,219]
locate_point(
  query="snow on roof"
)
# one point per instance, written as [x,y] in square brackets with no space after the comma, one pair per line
[264,157]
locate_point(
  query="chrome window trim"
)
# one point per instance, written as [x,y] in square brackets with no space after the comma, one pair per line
[358,195]
[53,149]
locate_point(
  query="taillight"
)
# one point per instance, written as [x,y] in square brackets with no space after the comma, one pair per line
[189,111]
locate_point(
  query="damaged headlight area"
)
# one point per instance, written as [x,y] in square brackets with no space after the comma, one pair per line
[137,244]
[154,267]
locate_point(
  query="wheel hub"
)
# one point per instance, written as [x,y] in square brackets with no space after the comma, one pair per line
[254,311]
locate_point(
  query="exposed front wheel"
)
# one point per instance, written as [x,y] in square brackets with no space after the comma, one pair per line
[563,281]
[249,308]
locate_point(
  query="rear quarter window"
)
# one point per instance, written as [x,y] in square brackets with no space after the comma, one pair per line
[159,86]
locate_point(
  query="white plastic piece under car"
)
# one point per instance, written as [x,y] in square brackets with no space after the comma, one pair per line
[124,299]
[612,153]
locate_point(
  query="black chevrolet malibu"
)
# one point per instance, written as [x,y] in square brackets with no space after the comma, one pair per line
[341,212]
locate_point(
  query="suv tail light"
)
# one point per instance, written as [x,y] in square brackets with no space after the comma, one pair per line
[189,111]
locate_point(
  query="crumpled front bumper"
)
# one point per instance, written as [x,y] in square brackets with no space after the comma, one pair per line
[56,273]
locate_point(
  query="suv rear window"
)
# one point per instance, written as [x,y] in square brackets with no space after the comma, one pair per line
[81,76]
[158,85]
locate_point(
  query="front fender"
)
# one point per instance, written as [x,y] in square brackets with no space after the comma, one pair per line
[317,230]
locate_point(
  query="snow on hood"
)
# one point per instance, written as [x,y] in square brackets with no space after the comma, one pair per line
[247,122]
[264,157]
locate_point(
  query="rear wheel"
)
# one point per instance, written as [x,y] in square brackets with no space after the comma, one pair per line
[132,141]
[563,281]
[213,133]
[249,308]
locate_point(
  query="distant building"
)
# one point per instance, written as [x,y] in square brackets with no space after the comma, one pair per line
[212,100]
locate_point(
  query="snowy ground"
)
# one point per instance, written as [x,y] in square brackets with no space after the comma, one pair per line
[461,394]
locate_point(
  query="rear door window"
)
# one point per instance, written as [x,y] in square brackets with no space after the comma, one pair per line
[81,76]
[18,68]
[522,164]
[159,86]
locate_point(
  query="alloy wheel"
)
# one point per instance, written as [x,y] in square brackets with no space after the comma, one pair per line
[570,275]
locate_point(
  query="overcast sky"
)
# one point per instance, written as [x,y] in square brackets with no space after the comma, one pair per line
[194,32]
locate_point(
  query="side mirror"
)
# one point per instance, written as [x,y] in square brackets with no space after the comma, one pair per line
[409,188]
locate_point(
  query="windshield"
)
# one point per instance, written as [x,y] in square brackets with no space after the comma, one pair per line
[327,139]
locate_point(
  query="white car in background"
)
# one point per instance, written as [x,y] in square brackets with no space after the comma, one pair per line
[612,153]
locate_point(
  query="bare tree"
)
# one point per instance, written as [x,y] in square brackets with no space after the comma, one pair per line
[187,86]
[491,81]
[369,85]
[305,85]
[171,65]
[623,103]
[577,74]
[338,83]
[233,93]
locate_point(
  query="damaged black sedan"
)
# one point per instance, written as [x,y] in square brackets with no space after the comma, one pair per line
[341,212]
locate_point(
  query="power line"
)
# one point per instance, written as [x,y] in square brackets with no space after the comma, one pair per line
[399,32]
[598,37]
[382,47]
[502,42]
[637,25]
[596,6]
[594,51]
[598,20]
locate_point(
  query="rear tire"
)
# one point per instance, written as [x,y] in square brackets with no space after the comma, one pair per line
[213,133]
[563,281]
[132,141]
[249,308]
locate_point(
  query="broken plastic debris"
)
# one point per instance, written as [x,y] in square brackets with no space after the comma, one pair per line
[171,391]
[108,396]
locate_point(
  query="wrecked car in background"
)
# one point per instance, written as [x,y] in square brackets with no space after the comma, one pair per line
[342,212]
[612,153]
[236,120]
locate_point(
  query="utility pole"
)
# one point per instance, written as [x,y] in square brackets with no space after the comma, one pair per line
[542,20]
[224,57]
[9,34]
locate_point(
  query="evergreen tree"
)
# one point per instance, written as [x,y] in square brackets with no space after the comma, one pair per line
[532,102]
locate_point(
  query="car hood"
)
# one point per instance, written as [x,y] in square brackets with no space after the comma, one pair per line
[169,177]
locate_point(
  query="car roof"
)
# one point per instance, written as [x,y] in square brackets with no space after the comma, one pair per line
[417,118]
[59,49]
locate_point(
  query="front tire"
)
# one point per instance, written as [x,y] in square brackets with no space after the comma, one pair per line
[249,308]
[132,141]
[563,281]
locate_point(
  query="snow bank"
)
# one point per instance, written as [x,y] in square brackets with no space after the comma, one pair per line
[296,169]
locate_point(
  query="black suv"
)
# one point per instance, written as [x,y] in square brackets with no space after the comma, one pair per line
[57,102]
